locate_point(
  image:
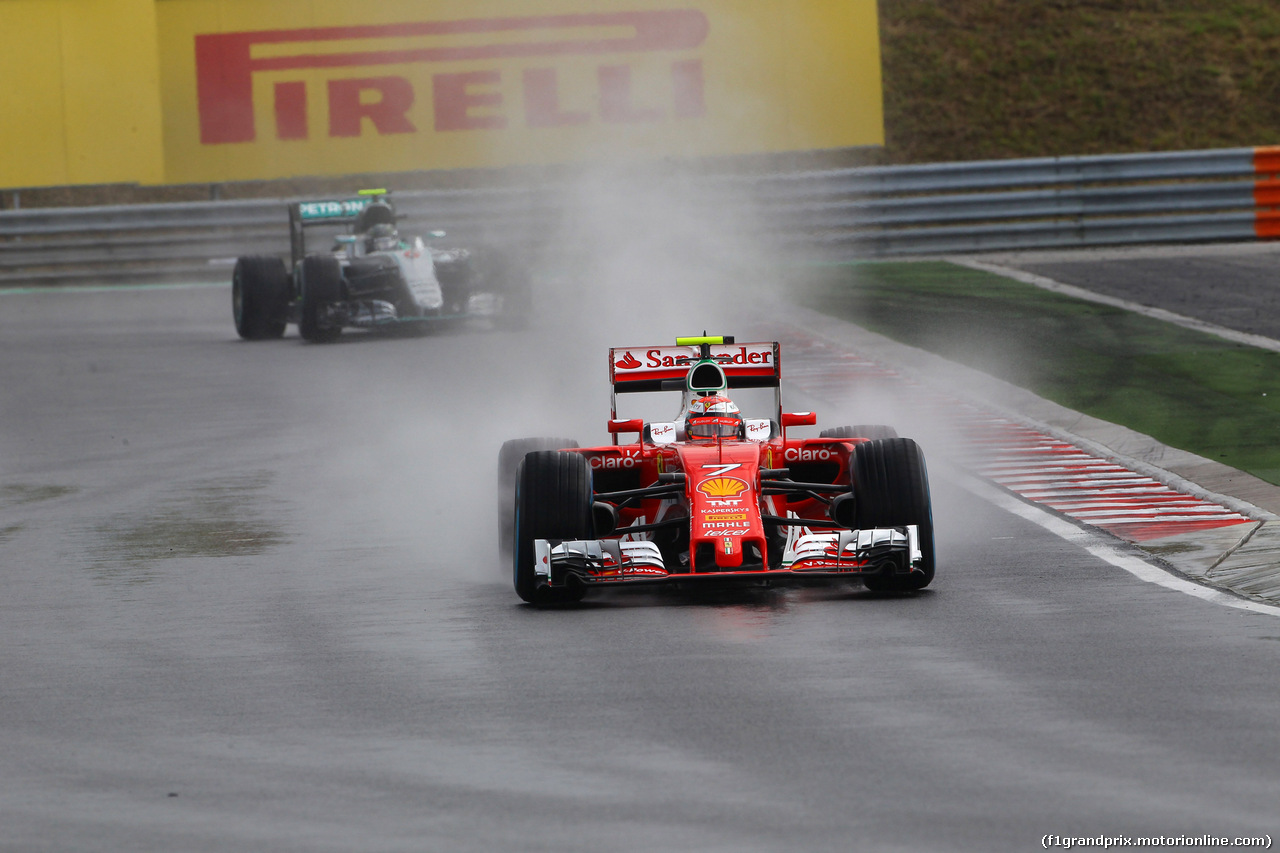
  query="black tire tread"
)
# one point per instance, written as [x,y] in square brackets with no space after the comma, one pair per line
[513,282]
[262,284]
[321,285]
[553,501]
[891,489]
[510,456]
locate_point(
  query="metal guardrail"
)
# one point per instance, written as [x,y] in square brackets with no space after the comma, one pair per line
[869,212]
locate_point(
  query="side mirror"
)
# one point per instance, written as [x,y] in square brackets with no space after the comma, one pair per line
[790,419]
[633,425]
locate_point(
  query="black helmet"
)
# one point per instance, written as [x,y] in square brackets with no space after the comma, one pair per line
[382,238]
[377,212]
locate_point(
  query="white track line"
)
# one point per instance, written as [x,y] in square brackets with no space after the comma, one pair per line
[64,289]
[1092,538]
[1091,541]
[1186,322]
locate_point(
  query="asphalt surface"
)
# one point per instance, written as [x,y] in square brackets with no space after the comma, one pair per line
[252,601]
[1233,286]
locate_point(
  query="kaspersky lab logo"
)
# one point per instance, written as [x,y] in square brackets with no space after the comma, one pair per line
[460,99]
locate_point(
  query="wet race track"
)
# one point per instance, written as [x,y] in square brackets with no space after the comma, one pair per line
[253,602]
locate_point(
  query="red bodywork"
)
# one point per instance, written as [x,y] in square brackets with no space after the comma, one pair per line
[665,507]
[722,496]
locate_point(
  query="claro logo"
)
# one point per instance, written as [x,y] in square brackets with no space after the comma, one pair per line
[625,461]
[461,100]
[797,454]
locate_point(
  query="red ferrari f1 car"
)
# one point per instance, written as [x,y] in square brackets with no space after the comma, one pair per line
[713,497]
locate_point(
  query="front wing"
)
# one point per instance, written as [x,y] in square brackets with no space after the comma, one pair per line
[828,556]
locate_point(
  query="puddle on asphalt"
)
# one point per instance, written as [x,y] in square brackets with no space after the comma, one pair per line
[18,494]
[1170,548]
[21,494]
[225,517]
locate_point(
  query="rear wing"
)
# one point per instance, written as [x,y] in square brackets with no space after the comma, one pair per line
[664,368]
[370,208]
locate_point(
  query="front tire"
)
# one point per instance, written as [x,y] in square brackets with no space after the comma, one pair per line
[509,459]
[552,501]
[260,297]
[455,281]
[321,288]
[891,489]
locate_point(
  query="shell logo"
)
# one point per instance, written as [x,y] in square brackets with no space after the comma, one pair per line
[722,487]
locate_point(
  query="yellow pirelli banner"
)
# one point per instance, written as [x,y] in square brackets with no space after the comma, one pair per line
[258,90]
[80,93]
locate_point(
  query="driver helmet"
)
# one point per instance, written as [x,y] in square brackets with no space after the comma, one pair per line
[713,417]
[382,238]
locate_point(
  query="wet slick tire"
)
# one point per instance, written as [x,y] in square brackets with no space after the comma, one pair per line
[260,297]
[517,302]
[891,489]
[513,282]
[321,287]
[552,501]
[510,456]
[872,431]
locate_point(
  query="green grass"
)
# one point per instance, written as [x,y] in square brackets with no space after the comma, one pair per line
[976,79]
[1185,388]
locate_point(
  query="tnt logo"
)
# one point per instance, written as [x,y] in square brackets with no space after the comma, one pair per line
[460,100]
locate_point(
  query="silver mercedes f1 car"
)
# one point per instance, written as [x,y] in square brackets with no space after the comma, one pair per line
[371,278]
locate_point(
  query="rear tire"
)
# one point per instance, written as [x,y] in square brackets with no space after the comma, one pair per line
[517,303]
[872,431]
[509,459]
[321,287]
[514,284]
[891,489]
[260,297]
[552,501]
